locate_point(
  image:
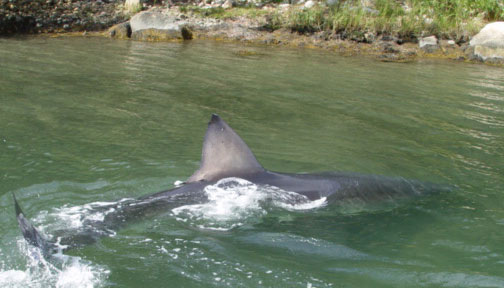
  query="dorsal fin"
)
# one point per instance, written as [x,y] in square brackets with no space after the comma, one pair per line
[224,154]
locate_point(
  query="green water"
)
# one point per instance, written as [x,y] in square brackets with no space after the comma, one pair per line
[87,120]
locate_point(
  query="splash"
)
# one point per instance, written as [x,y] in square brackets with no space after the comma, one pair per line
[234,202]
[62,271]
[231,200]
[66,272]
[75,217]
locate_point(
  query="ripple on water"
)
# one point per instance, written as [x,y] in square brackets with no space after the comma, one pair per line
[403,277]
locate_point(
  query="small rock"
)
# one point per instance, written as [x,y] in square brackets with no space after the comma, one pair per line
[186,33]
[120,31]
[309,4]
[228,4]
[428,44]
[426,41]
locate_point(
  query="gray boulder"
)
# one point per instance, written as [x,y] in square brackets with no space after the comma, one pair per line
[488,44]
[154,25]
[154,19]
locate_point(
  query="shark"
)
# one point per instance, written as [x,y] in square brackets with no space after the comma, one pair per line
[226,155]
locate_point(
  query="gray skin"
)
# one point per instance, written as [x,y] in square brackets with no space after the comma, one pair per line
[225,155]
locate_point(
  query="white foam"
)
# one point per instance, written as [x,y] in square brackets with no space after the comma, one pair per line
[307,205]
[14,278]
[69,272]
[232,202]
[77,275]
[62,270]
[74,217]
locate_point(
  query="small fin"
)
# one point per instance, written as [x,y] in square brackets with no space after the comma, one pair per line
[224,154]
[31,235]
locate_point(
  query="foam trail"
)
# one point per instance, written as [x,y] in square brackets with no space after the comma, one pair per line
[76,217]
[234,202]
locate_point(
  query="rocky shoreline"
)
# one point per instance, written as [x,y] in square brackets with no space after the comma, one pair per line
[158,24]
[176,23]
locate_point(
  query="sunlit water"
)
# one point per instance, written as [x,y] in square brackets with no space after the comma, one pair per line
[85,123]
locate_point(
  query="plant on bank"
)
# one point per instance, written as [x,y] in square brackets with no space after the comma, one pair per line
[451,19]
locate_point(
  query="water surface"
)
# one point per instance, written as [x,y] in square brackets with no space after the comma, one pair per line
[95,120]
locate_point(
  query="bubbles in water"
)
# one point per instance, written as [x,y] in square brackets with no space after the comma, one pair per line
[234,202]
[77,275]
[10,278]
[67,272]
[61,270]
[230,200]
[72,218]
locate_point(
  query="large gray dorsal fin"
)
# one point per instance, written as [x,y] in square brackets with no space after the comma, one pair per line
[224,154]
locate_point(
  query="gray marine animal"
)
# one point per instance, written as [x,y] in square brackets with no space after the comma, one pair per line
[226,155]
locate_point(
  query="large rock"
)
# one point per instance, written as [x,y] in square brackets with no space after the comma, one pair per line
[154,19]
[488,44]
[154,25]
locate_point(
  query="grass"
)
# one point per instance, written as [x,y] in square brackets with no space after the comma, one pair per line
[407,19]
[443,18]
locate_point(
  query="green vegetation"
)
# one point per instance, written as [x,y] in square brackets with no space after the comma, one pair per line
[448,19]
[451,19]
